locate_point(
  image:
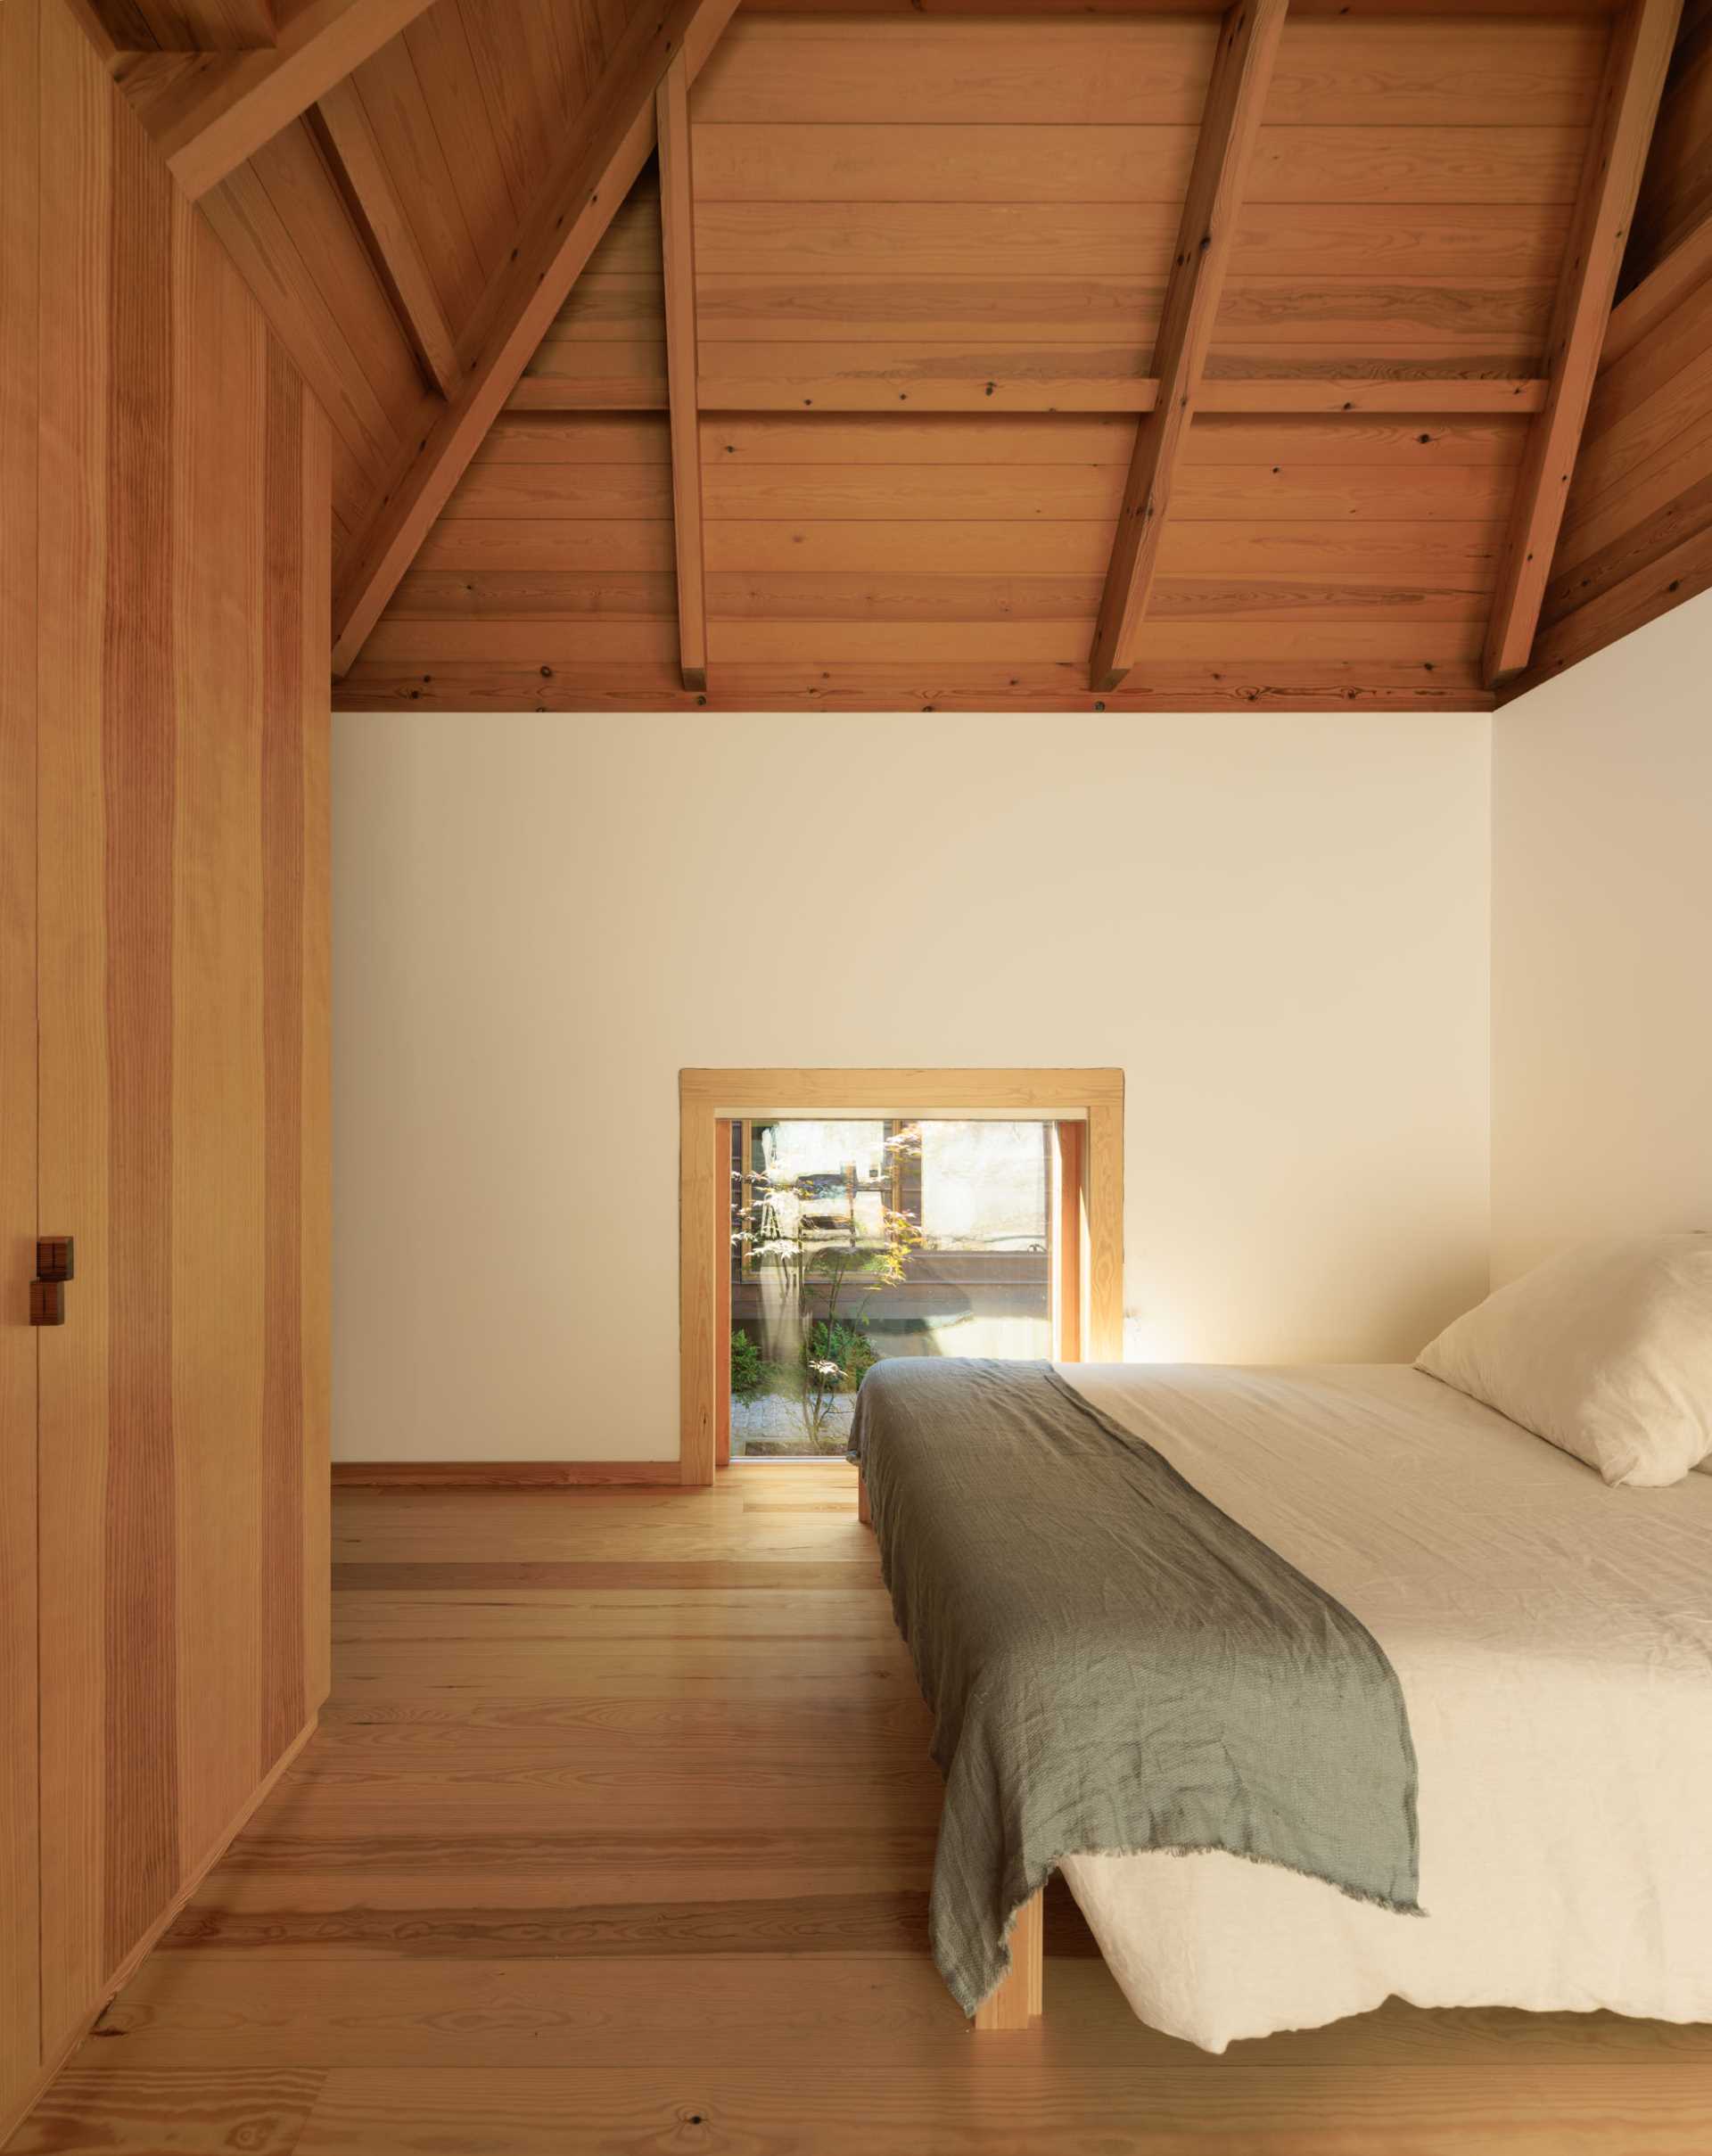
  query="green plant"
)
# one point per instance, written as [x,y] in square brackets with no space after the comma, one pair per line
[808,1282]
[748,1372]
[847,1345]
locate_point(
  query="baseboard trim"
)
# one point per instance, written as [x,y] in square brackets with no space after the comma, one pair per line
[121,1976]
[503,1474]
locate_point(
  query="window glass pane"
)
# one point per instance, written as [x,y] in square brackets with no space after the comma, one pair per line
[982,1186]
[856,1240]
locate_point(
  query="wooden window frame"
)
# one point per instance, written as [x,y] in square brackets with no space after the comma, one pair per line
[1087,1287]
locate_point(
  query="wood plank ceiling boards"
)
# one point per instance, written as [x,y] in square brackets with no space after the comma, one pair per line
[1247,353]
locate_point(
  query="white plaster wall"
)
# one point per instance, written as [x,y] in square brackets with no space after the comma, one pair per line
[1277,925]
[1602,946]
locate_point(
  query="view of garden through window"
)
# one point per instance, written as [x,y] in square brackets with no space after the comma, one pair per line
[852,1241]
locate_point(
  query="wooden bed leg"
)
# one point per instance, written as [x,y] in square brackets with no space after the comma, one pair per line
[864,1510]
[1018,2002]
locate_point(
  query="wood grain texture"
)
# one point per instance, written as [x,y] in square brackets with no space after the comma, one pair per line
[729,1966]
[289,695]
[703,1251]
[678,239]
[952,161]
[722,1298]
[552,246]
[498,1474]
[1388,10]
[1635,536]
[1068,1234]
[467,110]
[939,208]
[1641,49]
[708,1099]
[349,138]
[1284,685]
[20,474]
[1522,244]
[1682,572]
[1017,2002]
[1676,192]
[177,621]
[1242,70]
[137,747]
[973,216]
[205,129]
[55,2055]
[1110,70]
[284,224]
[1658,295]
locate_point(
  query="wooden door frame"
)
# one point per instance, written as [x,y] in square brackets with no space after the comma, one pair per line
[709,1100]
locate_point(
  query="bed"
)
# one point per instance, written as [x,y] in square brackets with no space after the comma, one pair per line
[1550,1639]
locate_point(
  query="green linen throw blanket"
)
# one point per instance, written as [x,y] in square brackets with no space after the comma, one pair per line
[1112,1663]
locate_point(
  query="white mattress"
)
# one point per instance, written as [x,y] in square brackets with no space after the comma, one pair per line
[1553,1639]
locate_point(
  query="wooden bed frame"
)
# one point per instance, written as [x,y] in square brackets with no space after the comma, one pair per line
[1018,2002]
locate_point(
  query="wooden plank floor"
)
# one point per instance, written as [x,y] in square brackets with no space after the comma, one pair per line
[617,1837]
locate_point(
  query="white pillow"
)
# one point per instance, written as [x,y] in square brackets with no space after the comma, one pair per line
[1605,1351]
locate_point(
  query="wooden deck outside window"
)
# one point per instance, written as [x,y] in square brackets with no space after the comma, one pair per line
[1084,1107]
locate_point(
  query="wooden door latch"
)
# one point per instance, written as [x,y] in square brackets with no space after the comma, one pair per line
[56,1264]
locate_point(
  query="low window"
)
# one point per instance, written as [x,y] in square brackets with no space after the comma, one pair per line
[970,1213]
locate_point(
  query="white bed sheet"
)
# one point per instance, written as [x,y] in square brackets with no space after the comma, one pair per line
[1553,1639]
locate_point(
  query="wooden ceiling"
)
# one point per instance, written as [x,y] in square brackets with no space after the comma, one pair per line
[1057,357]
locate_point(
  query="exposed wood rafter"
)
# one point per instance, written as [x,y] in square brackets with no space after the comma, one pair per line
[677,234]
[1442,394]
[952,10]
[551,251]
[1634,78]
[354,157]
[1242,70]
[1684,270]
[208,112]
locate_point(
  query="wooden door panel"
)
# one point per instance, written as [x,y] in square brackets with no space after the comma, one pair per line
[77,186]
[19,2026]
[182,981]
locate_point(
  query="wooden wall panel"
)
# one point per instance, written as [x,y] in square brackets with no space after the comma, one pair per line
[217,1070]
[77,398]
[19,150]
[181,637]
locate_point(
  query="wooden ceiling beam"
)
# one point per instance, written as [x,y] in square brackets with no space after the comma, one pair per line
[1642,41]
[556,242]
[347,141]
[208,112]
[1344,9]
[678,239]
[1242,72]
[1430,395]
